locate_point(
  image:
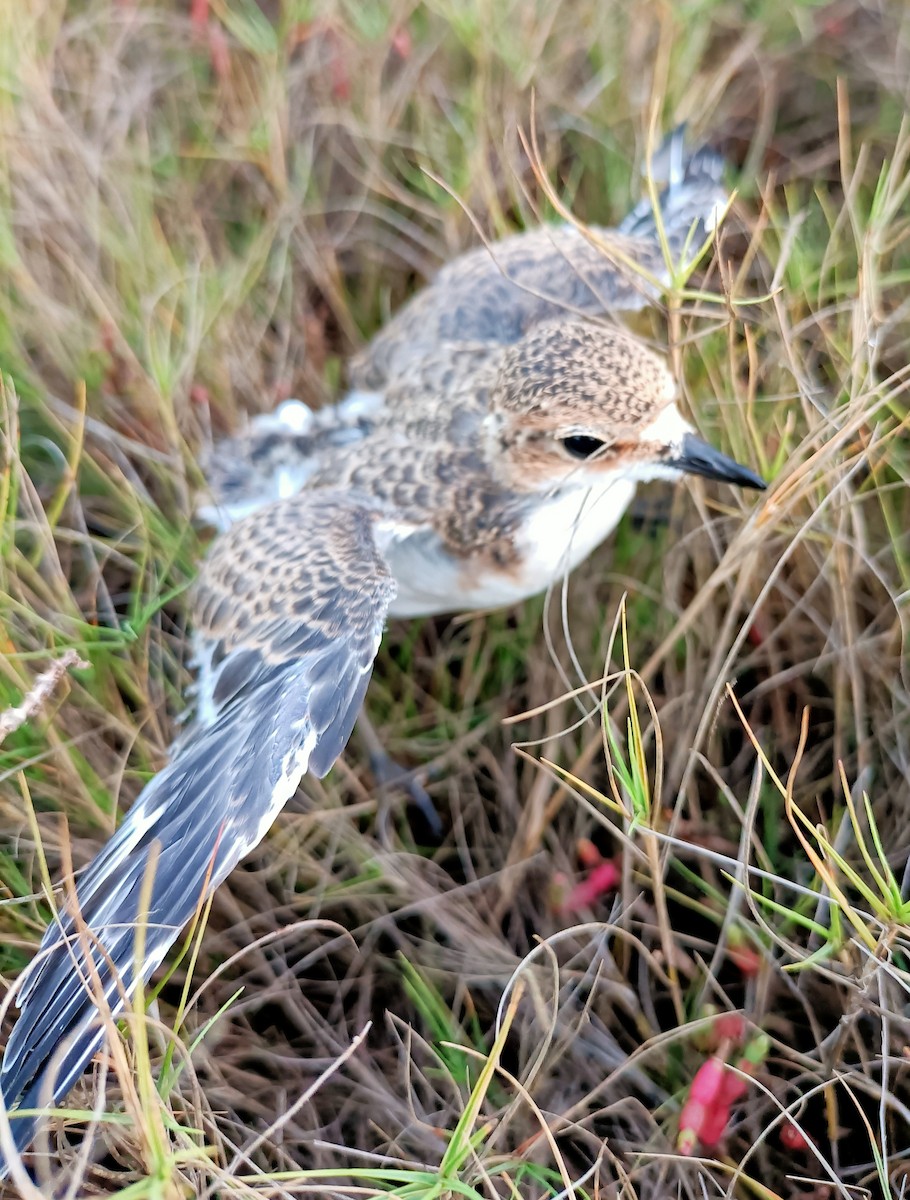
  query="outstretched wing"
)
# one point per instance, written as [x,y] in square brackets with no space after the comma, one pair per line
[290,608]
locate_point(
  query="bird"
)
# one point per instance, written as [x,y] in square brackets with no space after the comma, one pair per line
[495,432]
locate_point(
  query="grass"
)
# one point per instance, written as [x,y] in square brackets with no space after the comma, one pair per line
[199,219]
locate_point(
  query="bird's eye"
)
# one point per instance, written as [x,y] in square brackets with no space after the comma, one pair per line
[580,445]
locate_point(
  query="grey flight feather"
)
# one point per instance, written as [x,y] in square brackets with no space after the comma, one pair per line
[295,605]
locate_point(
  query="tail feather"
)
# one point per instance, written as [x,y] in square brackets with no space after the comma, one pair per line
[692,199]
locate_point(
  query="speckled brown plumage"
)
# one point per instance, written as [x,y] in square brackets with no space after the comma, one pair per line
[497,293]
[461,461]
[564,371]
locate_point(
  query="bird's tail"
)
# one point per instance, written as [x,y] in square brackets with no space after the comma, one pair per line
[691,200]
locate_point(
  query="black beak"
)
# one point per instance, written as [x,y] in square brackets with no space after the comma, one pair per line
[698,458]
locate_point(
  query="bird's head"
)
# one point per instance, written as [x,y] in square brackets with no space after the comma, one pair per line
[576,403]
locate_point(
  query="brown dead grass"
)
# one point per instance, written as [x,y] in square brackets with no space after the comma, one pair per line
[197,229]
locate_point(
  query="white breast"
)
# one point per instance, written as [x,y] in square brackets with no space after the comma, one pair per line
[563,530]
[558,533]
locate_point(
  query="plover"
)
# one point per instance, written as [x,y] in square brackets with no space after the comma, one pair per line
[495,436]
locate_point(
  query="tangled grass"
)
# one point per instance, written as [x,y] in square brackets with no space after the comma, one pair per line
[204,212]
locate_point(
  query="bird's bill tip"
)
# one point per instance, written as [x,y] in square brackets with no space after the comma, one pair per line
[700,458]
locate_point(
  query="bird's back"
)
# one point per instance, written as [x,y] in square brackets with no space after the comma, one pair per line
[428,371]
[402,438]
[497,292]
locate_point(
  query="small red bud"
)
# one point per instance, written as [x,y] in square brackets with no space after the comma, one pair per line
[704,1115]
[199,15]
[402,43]
[728,1027]
[604,878]
[792,1137]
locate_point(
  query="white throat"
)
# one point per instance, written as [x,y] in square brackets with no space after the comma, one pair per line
[557,532]
[563,529]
